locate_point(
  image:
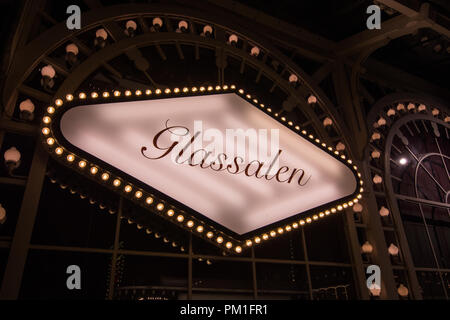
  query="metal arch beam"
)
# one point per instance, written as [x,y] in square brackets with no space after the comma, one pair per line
[391,29]
[391,197]
[354,110]
[402,97]
[86,68]
[407,23]
[308,44]
[424,11]
[43,45]
[393,77]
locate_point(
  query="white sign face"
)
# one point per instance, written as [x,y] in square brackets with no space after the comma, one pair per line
[258,171]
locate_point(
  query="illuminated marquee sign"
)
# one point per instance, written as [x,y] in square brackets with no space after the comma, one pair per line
[213,160]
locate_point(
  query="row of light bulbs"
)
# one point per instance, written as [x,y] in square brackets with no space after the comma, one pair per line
[401,109]
[112,210]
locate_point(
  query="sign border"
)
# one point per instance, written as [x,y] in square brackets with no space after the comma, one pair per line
[158,202]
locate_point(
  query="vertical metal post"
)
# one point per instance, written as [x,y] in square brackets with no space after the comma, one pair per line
[20,244]
[308,272]
[112,278]
[255,283]
[189,294]
[355,255]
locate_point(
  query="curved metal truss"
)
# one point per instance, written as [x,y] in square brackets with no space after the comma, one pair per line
[408,162]
[268,65]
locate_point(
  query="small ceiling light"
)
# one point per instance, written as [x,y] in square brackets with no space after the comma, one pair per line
[48,73]
[50,141]
[70,158]
[209,234]
[411,106]
[375,154]
[357,208]
[393,250]
[229,245]
[26,108]
[219,239]
[377,179]
[400,107]
[390,112]
[376,136]
[116,182]
[71,54]
[149,200]
[160,206]
[375,290]
[340,146]
[367,247]
[105,176]
[402,291]
[157,23]
[207,30]
[312,99]
[384,212]
[12,158]
[101,33]
[381,121]
[233,39]
[82,164]
[293,78]
[190,224]
[435,112]
[327,122]
[100,38]
[254,51]
[2,214]
[183,26]
[422,107]
[130,28]
[180,218]
[200,229]
[128,188]
[403,161]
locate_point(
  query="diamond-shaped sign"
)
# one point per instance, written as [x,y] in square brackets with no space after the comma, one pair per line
[214,161]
